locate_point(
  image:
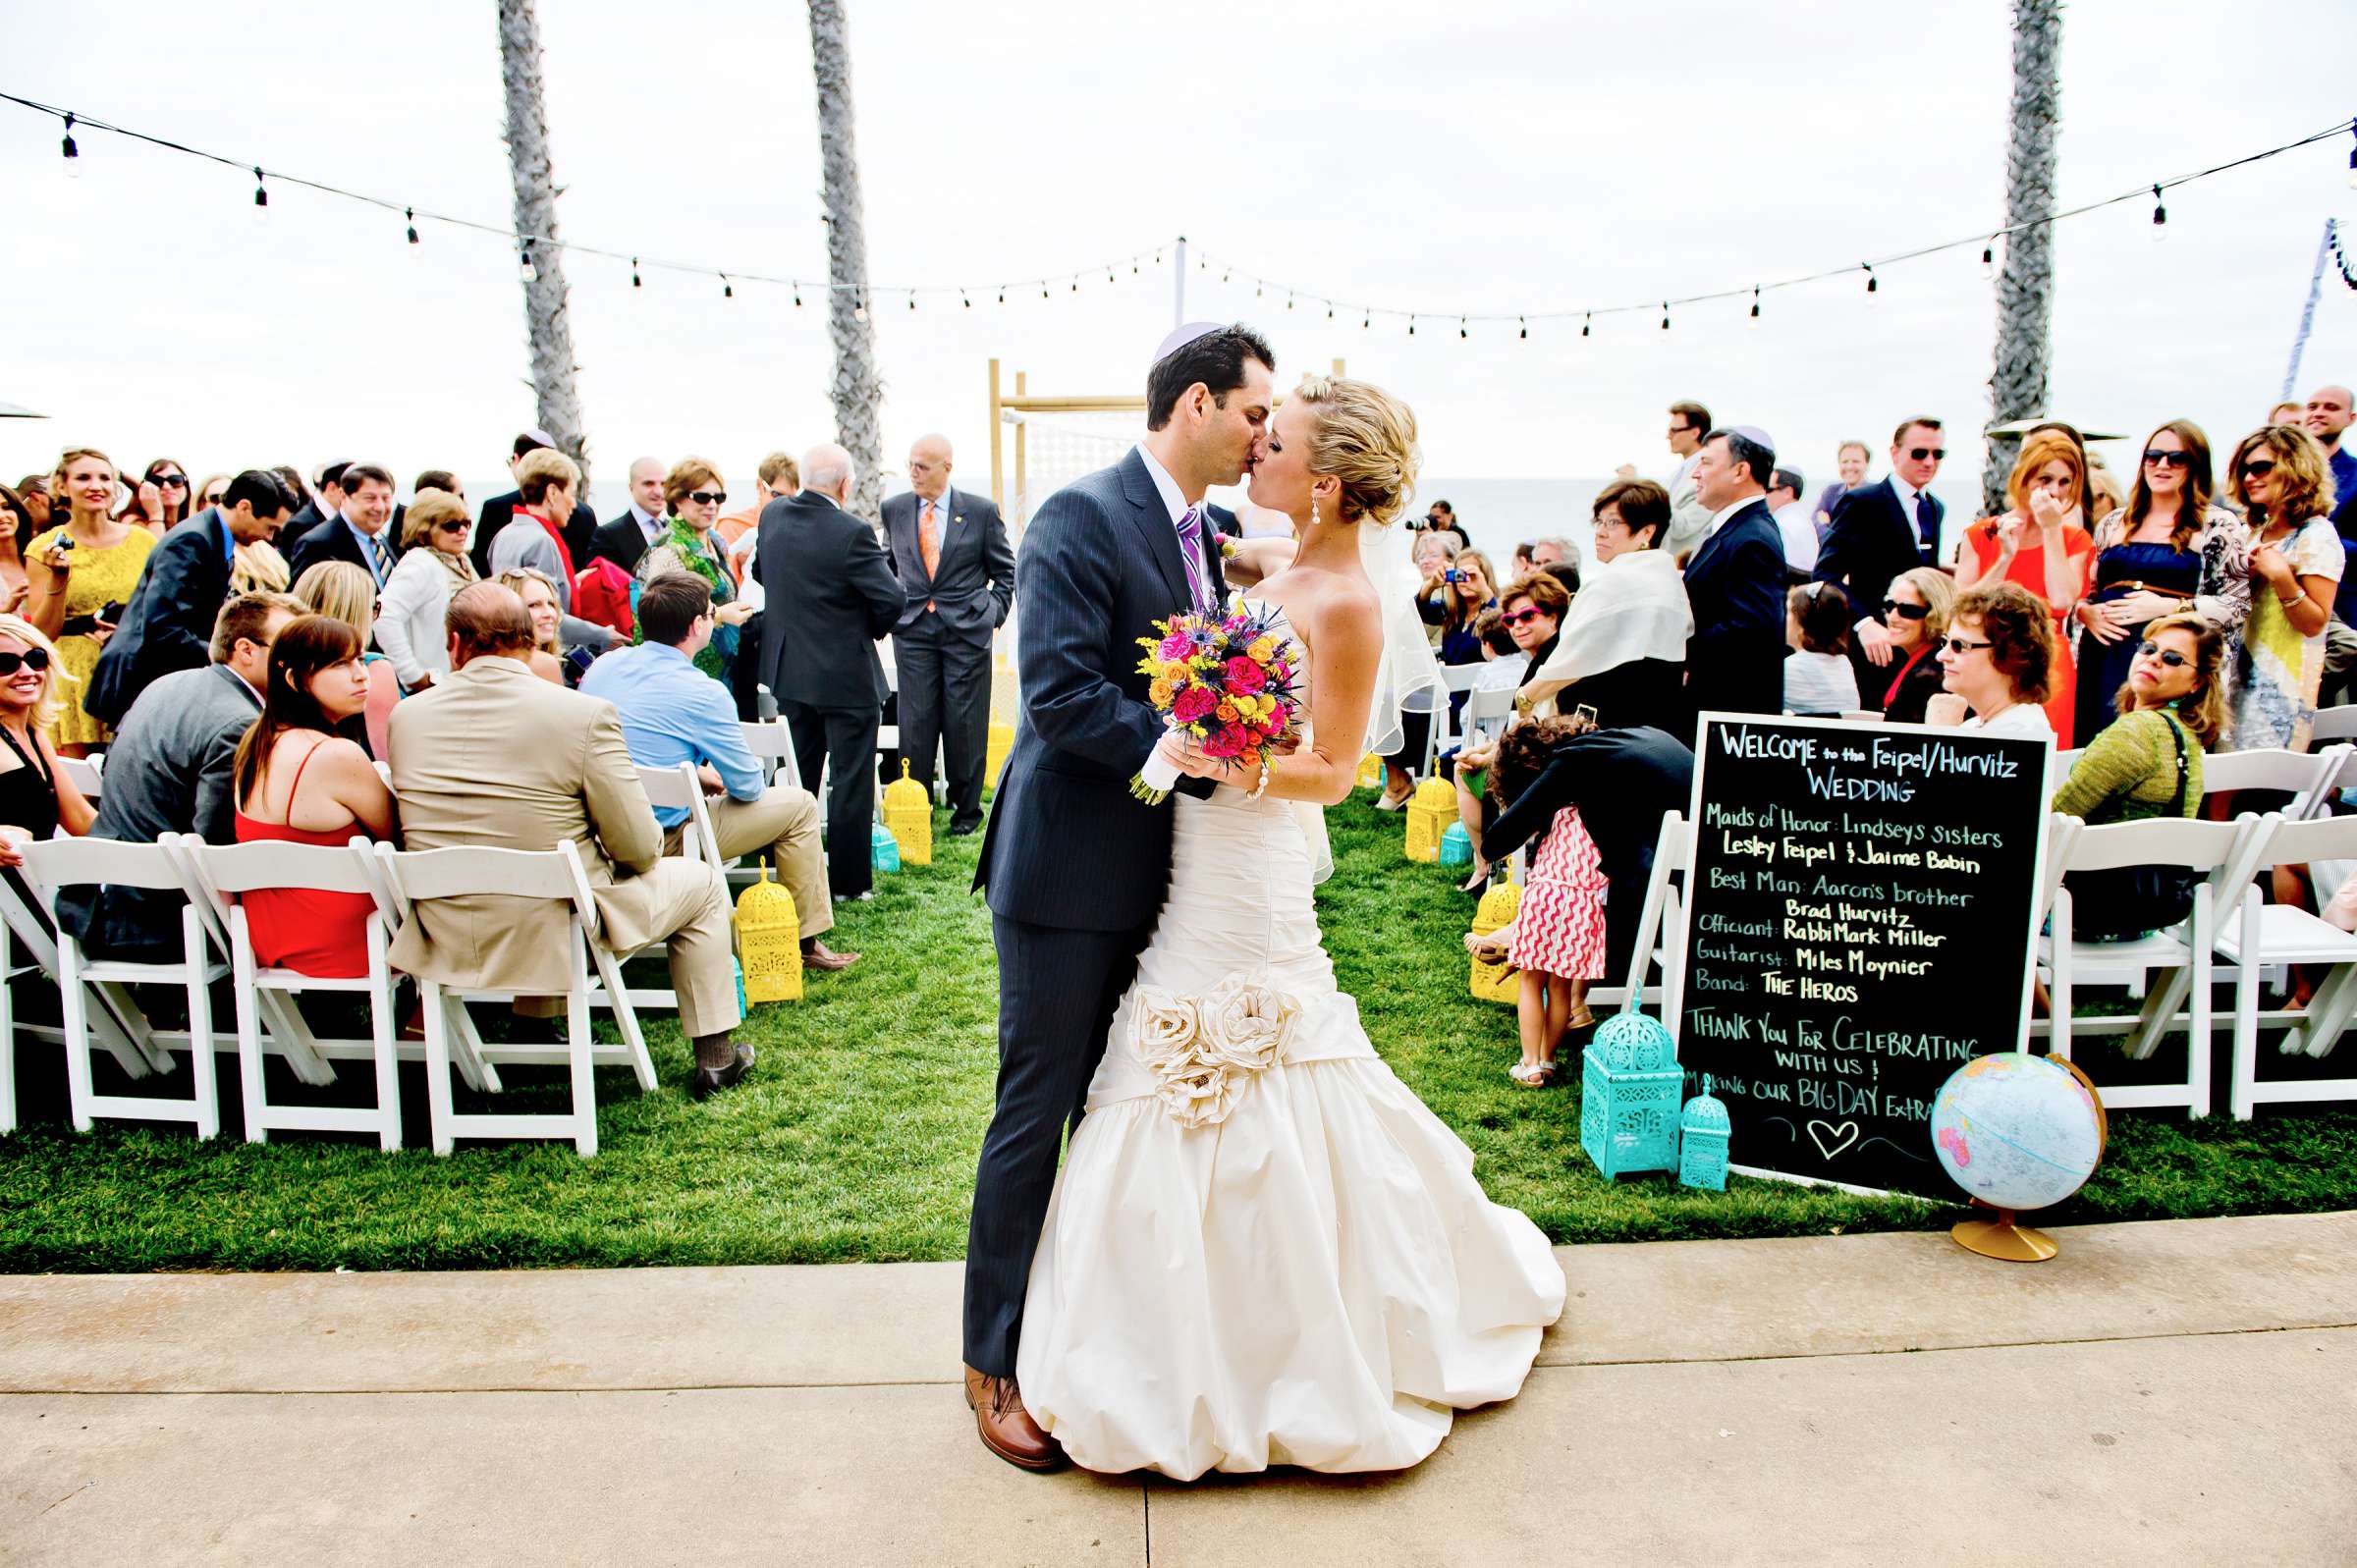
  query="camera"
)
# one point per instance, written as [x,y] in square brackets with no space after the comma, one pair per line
[1453,575]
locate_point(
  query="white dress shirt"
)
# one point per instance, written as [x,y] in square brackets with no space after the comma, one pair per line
[1799,529]
[648,524]
[1167,487]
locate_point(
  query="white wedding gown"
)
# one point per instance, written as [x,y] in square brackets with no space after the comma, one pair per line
[1315,1279]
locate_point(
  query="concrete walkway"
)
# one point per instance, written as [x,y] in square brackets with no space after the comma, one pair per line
[2174,1394]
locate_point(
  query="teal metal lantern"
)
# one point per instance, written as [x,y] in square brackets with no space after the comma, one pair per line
[1702,1141]
[1628,1092]
[1457,849]
[883,849]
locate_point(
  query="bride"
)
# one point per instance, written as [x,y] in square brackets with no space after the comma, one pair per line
[1262,1248]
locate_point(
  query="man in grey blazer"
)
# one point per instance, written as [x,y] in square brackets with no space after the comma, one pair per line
[950,550]
[169,772]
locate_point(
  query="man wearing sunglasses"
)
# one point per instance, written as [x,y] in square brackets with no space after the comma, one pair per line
[1882,530]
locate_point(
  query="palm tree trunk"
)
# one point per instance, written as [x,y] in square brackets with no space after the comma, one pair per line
[547,328]
[2026,290]
[857,390]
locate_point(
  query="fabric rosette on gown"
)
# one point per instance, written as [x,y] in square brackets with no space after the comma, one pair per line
[1263,1249]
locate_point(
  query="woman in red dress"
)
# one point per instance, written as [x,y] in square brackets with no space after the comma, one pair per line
[2041,544]
[302,777]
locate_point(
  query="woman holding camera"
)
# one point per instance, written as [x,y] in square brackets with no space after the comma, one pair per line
[81,575]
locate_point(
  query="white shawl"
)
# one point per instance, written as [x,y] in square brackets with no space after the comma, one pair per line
[1633,607]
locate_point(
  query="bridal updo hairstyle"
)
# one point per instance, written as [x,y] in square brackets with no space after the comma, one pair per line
[1367,439]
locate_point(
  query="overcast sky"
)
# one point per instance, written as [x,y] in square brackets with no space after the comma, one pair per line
[1494,158]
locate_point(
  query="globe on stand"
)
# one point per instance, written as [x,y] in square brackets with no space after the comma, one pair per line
[2016,1131]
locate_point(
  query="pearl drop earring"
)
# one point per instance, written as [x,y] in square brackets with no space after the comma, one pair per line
[1313,509]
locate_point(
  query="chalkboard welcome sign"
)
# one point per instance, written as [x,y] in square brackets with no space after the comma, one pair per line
[1859,909]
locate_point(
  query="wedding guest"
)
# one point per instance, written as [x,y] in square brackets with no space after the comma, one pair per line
[357,531]
[1689,516]
[306,516]
[16,528]
[441,479]
[1523,564]
[949,548]
[694,492]
[169,622]
[580,528]
[642,523]
[2172,708]
[2326,418]
[1736,582]
[1552,550]
[33,490]
[535,535]
[37,800]
[434,565]
[1876,531]
[1559,940]
[175,499]
[2103,493]
[740,531]
[1997,660]
[1435,555]
[1819,682]
[256,567]
[493,757]
[170,771]
[342,590]
[2297,562]
[1850,462]
[2168,549]
[81,574]
[1468,588]
[312,701]
[1794,522]
[545,657]
[2043,545]
[142,507]
[1915,614]
[320,502]
[2286,413]
[1623,780]
[1621,648]
[1505,663]
[832,598]
[672,713]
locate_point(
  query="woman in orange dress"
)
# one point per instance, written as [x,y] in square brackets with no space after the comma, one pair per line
[2041,544]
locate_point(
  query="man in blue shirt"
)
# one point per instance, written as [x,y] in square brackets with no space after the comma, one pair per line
[673,713]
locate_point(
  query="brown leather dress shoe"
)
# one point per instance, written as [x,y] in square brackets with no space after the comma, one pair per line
[1006,1428]
[818,955]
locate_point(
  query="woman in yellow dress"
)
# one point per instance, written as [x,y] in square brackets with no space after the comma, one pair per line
[80,575]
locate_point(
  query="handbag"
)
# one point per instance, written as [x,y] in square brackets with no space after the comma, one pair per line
[2120,903]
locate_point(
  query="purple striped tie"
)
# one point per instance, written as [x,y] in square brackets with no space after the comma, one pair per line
[1191,554]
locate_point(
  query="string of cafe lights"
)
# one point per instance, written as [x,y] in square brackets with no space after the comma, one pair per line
[1295,294]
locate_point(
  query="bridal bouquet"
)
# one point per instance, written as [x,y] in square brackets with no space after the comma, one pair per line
[1227,680]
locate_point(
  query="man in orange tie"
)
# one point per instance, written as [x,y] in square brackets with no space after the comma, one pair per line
[949,548]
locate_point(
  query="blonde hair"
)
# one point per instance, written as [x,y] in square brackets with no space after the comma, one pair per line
[1366,438]
[53,702]
[2303,475]
[514,581]
[61,506]
[256,567]
[428,512]
[341,591]
[542,468]
[1937,591]
[2038,449]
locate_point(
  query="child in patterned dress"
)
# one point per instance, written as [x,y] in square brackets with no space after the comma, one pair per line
[1558,930]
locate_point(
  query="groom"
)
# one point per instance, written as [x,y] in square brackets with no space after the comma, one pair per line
[1075,868]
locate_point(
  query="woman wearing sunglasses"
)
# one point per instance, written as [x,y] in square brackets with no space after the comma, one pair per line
[694,493]
[434,565]
[1915,614]
[175,499]
[2169,550]
[2042,545]
[1998,659]
[37,800]
[2297,560]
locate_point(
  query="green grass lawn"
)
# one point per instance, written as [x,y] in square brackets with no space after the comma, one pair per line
[855,1137]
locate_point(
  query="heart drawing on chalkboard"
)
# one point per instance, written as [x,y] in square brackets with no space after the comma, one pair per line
[1830,1139]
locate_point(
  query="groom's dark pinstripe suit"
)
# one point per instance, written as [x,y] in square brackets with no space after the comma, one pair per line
[1075,868]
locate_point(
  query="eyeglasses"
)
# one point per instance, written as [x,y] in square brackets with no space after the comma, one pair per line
[2167,656]
[1962,644]
[33,659]
[172,481]
[1891,606]
[1936,454]
[2154,457]
[1516,617]
[707,498]
[2259,469]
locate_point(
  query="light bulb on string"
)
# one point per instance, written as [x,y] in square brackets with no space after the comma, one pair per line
[912,299]
[858,308]
[1524,325]
[1002,296]
[523,264]
[1664,315]
[1411,326]
[636,284]
[410,213]
[261,197]
[1330,310]
[727,290]
[2352,155]
[1043,290]
[1755,307]
[71,152]
[1989,259]
[1460,329]
[965,299]
[1075,286]
[1587,323]
[2160,217]
[1874,283]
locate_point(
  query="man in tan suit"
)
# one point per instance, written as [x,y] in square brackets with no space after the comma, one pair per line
[497,757]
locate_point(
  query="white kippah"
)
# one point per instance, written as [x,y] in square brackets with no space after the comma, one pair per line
[1753,434]
[1180,336]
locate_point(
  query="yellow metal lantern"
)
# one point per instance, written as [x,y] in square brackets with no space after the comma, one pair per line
[909,813]
[1499,981]
[1430,810]
[769,941]
[1370,772]
[998,739]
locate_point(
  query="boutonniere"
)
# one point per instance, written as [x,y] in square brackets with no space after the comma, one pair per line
[1228,549]
[957,518]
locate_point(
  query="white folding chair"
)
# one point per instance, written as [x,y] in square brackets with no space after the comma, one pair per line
[2216,849]
[222,875]
[1443,733]
[117,1026]
[772,745]
[2331,725]
[2302,774]
[86,773]
[555,875]
[1863,715]
[2260,936]
[1488,705]
[677,789]
[55,864]
[1660,933]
